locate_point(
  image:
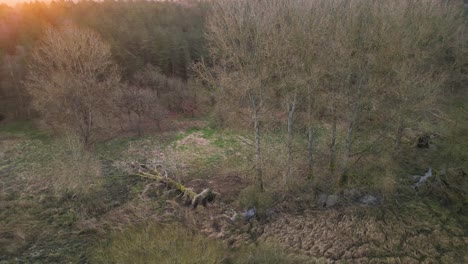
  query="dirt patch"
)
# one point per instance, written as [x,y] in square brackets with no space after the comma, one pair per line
[228,185]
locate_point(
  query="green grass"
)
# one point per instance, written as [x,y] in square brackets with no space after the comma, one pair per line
[25,129]
[31,212]
[112,149]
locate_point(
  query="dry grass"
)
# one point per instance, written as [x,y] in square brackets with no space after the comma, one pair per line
[175,243]
[71,169]
[388,183]
[61,166]
[197,153]
[75,170]
[159,244]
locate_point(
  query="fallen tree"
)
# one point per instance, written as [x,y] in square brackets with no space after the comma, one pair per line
[188,195]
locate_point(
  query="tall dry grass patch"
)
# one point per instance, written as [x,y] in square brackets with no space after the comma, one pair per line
[159,244]
[74,169]
[62,167]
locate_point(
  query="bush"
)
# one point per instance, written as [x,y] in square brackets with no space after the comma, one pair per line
[74,170]
[159,244]
[253,197]
[61,167]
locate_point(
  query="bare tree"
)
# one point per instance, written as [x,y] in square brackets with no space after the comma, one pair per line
[151,77]
[285,64]
[15,99]
[73,81]
[238,34]
[422,40]
[394,50]
[342,55]
[142,104]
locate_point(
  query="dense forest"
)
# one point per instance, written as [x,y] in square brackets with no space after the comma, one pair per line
[234,131]
[165,36]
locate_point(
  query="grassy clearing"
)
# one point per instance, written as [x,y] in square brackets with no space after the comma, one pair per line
[47,186]
[24,129]
[194,153]
[62,166]
[52,186]
[58,198]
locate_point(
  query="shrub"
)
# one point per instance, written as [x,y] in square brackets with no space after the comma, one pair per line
[253,197]
[62,167]
[74,170]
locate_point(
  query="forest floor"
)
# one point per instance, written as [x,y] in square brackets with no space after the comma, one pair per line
[36,227]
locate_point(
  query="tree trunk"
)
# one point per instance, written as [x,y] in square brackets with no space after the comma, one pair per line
[399,135]
[333,141]
[311,134]
[291,110]
[352,120]
[348,142]
[158,123]
[139,124]
[258,157]
[190,197]
[310,152]
[89,125]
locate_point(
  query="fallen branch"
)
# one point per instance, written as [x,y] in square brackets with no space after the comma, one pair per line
[189,196]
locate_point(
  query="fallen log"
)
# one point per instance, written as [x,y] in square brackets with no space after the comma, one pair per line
[189,196]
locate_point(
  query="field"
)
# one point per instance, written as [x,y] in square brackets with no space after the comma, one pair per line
[111,216]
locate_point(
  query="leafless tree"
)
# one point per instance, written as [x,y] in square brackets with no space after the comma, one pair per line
[73,80]
[142,104]
[241,50]
[354,58]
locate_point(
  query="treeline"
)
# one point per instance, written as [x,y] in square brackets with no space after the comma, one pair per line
[333,91]
[167,36]
[340,84]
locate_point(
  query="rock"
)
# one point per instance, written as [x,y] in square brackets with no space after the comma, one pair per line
[322,200]
[249,214]
[325,200]
[35,254]
[423,178]
[369,200]
[332,200]
[352,194]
